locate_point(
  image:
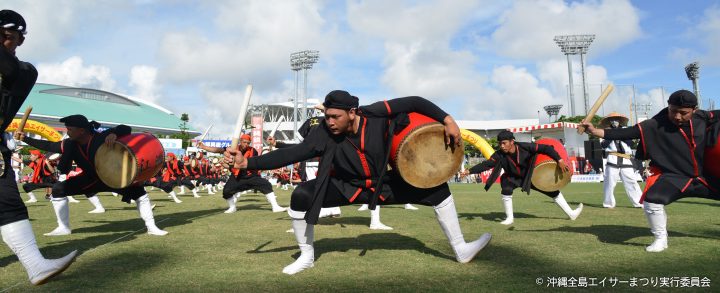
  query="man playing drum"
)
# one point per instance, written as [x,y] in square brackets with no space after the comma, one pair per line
[18,78]
[353,149]
[515,159]
[674,141]
[242,180]
[81,147]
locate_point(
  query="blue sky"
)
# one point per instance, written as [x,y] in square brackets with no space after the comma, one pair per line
[479,60]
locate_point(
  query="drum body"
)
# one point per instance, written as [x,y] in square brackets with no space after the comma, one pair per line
[132,159]
[547,175]
[712,160]
[419,155]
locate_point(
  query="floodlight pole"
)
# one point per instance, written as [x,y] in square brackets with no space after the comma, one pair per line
[575,45]
[693,73]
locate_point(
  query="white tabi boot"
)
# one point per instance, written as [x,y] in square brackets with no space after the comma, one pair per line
[507,203]
[335,212]
[572,214]
[209,189]
[304,233]
[72,199]
[32,197]
[21,240]
[114,194]
[375,223]
[195,192]
[363,207]
[272,199]
[95,201]
[232,203]
[447,217]
[182,190]
[62,212]
[410,207]
[174,197]
[657,218]
[145,208]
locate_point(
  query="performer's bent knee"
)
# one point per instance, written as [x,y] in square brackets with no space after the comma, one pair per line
[301,199]
[653,198]
[58,190]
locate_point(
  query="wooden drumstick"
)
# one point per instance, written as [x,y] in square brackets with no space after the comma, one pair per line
[241,117]
[21,125]
[202,138]
[596,107]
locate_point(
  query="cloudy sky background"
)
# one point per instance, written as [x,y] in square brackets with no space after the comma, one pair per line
[478,59]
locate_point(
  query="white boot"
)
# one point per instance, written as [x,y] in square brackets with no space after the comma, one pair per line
[62,212]
[375,223]
[272,199]
[507,203]
[174,197]
[195,192]
[232,206]
[21,240]
[72,199]
[572,214]
[335,212]
[447,217]
[324,213]
[114,194]
[99,209]
[145,208]
[410,207]
[209,189]
[657,219]
[363,207]
[182,190]
[304,233]
[32,197]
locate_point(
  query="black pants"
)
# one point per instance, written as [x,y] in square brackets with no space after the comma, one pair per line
[185,182]
[89,184]
[235,185]
[12,208]
[508,184]
[664,192]
[402,193]
[45,182]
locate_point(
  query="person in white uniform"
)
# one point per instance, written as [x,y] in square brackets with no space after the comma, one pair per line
[618,165]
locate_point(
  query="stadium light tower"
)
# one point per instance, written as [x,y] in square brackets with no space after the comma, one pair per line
[552,110]
[693,73]
[575,45]
[302,60]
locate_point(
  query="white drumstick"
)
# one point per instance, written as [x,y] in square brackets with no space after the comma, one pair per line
[241,117]
[272,133]
[202,138]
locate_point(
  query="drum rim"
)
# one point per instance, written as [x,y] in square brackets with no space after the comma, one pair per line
[564,182]
[134,159]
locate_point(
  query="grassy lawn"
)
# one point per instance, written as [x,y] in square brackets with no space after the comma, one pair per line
[209,251]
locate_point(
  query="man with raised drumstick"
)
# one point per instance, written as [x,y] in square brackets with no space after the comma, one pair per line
[17,79]
[515,159]
[81,147]
[242,180]
[674,141]
[353,148]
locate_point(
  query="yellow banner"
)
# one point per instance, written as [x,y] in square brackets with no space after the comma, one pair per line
[38,128]
[478,142]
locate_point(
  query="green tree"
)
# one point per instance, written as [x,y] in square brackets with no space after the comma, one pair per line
[183,135]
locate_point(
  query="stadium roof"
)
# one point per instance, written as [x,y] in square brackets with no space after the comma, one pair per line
[52,102]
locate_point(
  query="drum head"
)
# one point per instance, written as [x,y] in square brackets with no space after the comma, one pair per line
[549,177]
[116,166]
[424,161]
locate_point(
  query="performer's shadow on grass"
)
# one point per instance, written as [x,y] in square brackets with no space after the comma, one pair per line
[616,234]
[362,243]
[498,216]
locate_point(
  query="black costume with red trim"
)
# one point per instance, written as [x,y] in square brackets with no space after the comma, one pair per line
[18,78]
[43,175]
[518,168]
[246,179]
[353,166]
[84,155]
[676,155]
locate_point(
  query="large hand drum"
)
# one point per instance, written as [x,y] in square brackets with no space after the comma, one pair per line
[133,159]
[547,175]
[420,156]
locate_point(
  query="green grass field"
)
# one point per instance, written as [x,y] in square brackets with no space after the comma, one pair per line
[209,251]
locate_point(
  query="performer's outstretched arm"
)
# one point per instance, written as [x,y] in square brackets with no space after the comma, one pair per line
[484,166]
[48,146]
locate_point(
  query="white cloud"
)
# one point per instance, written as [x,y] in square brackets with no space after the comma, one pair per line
[72,72]
[528,28]
[709,33]
[143,79]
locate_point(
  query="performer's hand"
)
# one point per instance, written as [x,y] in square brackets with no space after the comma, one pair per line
[235,159]
[563,166]
[271,141]
[19,136]
[452,131]
[590,129]
[110,139]
[200,144]
[464,173]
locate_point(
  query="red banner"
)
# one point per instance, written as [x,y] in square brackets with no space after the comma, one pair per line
[257,132]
